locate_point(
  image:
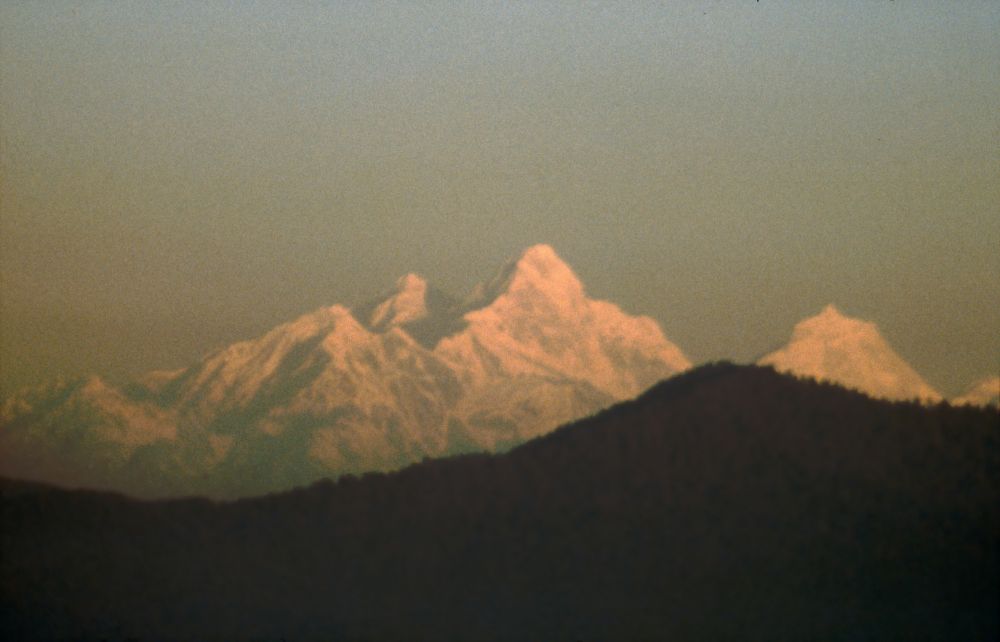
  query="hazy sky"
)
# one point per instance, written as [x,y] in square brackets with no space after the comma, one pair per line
[178,176]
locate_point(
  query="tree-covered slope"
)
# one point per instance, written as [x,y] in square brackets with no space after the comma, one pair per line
[726,503]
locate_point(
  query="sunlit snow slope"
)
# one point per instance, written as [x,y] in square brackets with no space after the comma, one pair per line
[833,347]
[982,393]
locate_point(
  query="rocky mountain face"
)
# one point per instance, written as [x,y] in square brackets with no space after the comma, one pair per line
[414,375]
[852,353]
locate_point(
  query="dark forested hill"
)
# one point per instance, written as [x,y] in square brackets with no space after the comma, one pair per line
[726,503]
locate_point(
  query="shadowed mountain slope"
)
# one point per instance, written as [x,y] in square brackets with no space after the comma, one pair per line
[729,502]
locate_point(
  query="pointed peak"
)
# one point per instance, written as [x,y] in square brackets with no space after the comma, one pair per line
[831,320]
[851,352]
[308,325]
[94,382]
[541,256]
[831,311]
[408,303]
[410,283]
[93,385]
[335,311]
[830,314]
[539,269]
[541,261]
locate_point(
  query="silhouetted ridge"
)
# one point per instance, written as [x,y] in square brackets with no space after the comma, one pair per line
[730,502]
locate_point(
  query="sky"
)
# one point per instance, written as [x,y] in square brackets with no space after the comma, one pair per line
[175,177]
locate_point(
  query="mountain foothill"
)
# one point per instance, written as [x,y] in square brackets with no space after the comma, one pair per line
[725,503]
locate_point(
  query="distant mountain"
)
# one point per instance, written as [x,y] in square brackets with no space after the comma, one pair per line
[833,347]
[727,503]
[981,393]
[416,374]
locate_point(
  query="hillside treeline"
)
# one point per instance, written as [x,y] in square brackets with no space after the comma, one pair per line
[729,502]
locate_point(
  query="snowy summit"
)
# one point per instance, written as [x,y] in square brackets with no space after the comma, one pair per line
[851,352]
[406,305]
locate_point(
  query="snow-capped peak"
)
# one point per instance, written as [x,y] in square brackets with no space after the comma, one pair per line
[541,268]
[831,314]
[408,303]
[534,319]
[537,273]
[543,259]
[834,347]
[831,324]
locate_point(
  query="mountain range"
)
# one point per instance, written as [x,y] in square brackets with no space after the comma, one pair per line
[725,503]
[413,374]
[417,375]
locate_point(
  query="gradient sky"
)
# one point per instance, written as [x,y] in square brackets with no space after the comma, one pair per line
[178,176]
